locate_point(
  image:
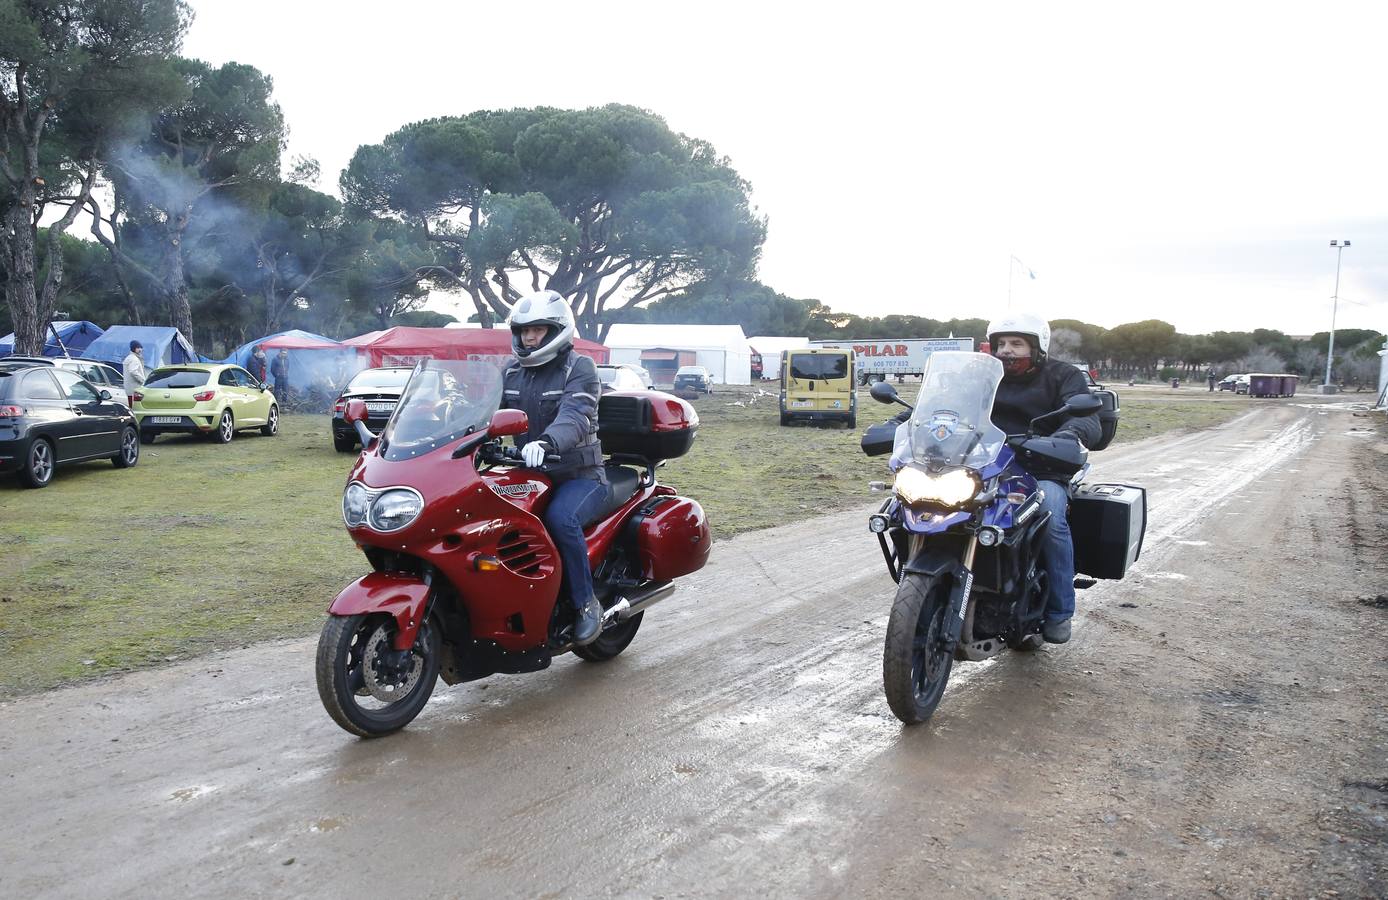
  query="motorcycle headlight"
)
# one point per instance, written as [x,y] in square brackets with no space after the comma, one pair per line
[354,503]
[395,509]
[950,488]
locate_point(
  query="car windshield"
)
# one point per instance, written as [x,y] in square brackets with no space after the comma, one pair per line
[816,366]
[444,400]
[177,378]
[379,378]
[952,423]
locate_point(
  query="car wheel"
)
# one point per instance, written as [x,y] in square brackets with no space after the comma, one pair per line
[344,444]
[147,437]
[129,448]
[226,428]
[272,425]
[38,465]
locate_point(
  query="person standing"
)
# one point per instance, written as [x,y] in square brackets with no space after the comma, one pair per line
[134,368]
[1211,379]
[260,365]
[280,369]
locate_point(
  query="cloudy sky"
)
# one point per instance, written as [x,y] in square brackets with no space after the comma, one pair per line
[1189,162]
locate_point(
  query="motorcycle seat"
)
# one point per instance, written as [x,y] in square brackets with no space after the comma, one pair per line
[622,483]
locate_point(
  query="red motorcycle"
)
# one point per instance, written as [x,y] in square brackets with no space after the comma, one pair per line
[464,576]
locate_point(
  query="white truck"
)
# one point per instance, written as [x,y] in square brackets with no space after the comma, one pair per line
[879,358]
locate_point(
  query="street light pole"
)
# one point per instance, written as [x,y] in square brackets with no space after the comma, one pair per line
[1334,308]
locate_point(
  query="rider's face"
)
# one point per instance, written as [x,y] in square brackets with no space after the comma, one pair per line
[1012,345]
[532,335]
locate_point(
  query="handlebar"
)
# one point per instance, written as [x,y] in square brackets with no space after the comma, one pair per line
[511,456]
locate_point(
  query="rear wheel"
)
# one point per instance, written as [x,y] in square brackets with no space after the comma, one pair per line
[852,421]
[147,437]
[129,448]
[226,428]
[38,465]
[785,418]
[611,642]
[272,424]
[915,665]
[344,444]
[362,686]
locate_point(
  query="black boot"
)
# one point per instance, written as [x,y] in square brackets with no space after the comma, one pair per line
[588,622]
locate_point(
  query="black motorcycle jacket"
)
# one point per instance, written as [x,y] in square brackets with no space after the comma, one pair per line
[1044,389]
[560,398]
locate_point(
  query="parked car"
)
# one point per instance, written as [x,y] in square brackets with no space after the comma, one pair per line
[693,378]
[51,417]
[641,373]
[1236,383]
[381,389]
[98,374]
[199,398]
[619,378]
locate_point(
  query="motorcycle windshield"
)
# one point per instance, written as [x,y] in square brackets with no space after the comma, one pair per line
[444,400]
[952,423]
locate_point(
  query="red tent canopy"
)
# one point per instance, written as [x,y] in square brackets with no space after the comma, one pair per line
[404,345]
[296,342]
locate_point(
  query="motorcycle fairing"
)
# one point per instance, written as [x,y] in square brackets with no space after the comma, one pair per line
[399,596]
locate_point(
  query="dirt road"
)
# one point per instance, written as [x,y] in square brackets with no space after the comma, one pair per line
[1217,726]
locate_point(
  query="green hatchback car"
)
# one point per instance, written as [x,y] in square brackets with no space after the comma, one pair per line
[201,398]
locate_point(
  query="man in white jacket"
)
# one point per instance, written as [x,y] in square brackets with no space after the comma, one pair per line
[134,366]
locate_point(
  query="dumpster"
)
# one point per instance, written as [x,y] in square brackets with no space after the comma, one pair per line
[1289,385]
[1269,385]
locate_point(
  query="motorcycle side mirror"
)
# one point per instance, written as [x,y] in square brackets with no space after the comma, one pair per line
[1083,404]
[508,422]
[883,392]
[355,412]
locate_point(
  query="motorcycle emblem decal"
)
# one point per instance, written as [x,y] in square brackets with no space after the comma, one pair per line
[515,490]
[943,425]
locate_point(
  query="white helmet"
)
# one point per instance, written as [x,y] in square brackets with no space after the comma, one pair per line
[546,308]
[1028,325]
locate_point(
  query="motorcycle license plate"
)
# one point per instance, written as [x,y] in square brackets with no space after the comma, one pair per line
[166,420]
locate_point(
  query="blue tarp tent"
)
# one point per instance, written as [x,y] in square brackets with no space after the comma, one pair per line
[316,363]
[163,345]
[76,336]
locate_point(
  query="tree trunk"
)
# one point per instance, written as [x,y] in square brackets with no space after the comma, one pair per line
[19,287]
[175,283]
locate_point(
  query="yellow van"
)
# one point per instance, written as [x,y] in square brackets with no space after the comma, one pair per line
[817,384]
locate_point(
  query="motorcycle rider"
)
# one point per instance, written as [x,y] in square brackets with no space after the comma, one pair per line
[1033,385]
[558,389]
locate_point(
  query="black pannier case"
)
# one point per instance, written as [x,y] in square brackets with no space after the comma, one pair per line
[650,425]
[1107,522]
[1108,416]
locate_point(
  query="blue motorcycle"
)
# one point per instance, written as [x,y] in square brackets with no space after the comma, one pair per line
[962,531]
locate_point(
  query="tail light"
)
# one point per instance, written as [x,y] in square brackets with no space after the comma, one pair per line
[137,397]
[340,405]
[204,396]
[11,412]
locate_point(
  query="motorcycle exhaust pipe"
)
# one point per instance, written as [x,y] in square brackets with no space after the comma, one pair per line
[628,606]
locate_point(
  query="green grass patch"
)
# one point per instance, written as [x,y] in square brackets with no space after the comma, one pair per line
[205,547]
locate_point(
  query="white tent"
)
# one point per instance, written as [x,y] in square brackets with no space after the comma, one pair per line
[770,347]
[722,349]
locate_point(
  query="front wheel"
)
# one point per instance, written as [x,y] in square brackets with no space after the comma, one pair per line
[129,453]
[363,686]
[272,424]
[915,663]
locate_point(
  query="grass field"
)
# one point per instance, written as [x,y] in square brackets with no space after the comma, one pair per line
[203,546]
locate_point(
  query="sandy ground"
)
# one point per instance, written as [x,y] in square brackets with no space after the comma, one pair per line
[1217,727]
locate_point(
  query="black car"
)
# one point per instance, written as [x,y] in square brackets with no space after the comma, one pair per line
[50,417]
[381,389]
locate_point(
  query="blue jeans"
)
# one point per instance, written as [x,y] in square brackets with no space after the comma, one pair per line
[1058,555]
[573,503]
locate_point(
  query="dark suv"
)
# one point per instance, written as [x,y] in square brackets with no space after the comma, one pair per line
[380,389]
